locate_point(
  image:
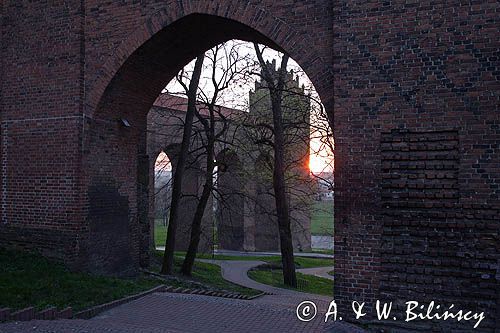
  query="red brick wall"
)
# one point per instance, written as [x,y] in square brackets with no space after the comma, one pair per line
[69,181]
[41,114]
[417,138]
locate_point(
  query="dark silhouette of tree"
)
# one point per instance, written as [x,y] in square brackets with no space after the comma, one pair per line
[168,258]
[212,132]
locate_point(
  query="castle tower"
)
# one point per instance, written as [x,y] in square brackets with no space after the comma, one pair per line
[296,119]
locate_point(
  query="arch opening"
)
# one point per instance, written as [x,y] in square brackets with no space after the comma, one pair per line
[239,204]
[162,193]
[131,93]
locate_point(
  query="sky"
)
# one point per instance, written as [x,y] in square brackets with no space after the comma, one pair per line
[236,94]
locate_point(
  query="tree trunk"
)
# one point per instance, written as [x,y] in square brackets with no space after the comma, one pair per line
[188,263]
[168,257]
[279,184]
[282,206]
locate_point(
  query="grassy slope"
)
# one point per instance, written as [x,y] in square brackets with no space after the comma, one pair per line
[307,283]
[209,275]
[31,280]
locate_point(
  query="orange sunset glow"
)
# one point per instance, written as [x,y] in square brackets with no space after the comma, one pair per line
[321,158]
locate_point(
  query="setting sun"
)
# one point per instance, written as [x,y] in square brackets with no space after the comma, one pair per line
[320,163]
[321,158]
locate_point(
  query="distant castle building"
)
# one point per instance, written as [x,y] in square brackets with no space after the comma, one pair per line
[245,210]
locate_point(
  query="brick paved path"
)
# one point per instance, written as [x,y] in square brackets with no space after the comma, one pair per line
[166,313]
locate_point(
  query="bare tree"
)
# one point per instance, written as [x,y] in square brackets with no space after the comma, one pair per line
[168,258]
[212,135]
[226,65]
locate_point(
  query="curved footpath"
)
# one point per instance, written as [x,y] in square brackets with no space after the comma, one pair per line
[237,272]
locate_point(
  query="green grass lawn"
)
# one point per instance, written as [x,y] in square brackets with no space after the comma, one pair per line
[321,222]
[322,251]
[31,280]
[28,279]
[322,218]
[211,275]
[303,262]
[306,283]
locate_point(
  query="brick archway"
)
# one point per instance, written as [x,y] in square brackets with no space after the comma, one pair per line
[262,25]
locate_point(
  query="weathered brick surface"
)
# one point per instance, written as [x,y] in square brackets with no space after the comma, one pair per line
[432,243]
[420,210]
[70,171]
